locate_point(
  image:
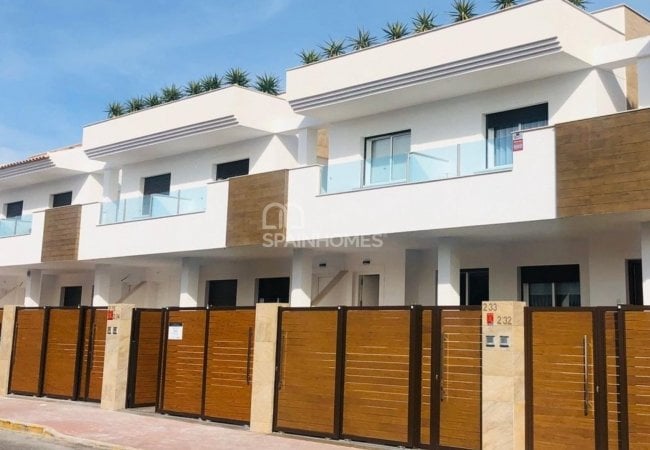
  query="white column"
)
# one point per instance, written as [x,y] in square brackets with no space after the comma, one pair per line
[189,297]
[102,286]
[448,274]
[33,288]
[645,261]
[307,144]
[643,69]
[111,185]
[301,273]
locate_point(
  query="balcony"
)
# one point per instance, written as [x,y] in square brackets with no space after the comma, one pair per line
[16,226]
[459,160]
[176,203]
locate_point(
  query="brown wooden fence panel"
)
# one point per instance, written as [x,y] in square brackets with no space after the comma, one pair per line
[229,365]
[182,385]
[306,383]
[27,351]
[637,363]
[561,409]
[92,360]
[377,375]
[612,368]
[1,312]
[62,353]
[425,405]
[145,373]
[460,379]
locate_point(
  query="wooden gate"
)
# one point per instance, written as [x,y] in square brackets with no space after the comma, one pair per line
[27,354]
[62,352]
[92,360]
[144,357]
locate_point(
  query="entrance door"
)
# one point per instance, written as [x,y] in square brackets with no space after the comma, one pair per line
[71,296]
[368,290]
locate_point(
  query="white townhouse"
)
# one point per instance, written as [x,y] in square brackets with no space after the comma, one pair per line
[506,157]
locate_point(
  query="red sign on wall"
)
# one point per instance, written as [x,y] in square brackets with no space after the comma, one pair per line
[490,319]
[517,142]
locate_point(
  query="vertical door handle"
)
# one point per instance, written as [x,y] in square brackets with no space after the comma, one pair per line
[443,347]
[248,355]
[585,349]
[283,351]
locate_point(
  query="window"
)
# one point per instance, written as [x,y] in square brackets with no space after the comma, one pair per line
[157,185]
[474,286]
[500,127]
[14,210]
[232,169]
[62,199]
[71,296]
[273,290]
[386,158]
[550,286]
[634,282]
[222,293]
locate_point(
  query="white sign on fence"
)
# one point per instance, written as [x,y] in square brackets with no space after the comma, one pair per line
[175,332]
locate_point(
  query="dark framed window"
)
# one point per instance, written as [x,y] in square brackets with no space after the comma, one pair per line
[551,286]
[71,296]
[62,199]
[222,293]
[634,282]
[159,184]
[474,286]
[232,169]
[500,127]
[273,290]
[14,209]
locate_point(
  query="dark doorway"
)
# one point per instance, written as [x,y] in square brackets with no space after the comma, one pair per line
[71,296]
[474,286]
[222,293]
[634,282]
[273,290]
[551,286]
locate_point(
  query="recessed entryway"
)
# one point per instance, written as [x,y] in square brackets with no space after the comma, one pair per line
[369,290]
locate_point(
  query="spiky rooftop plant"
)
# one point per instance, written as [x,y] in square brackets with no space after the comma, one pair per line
[395,30]
[237,76]
[114,109]
[363,39]
[333,47]
[171,93]
[580,3]
[423,21]
[210,82]
[268,83]
[309,56]
[152,100]
[193,88]
[135,104]
[463,10]
[503,4]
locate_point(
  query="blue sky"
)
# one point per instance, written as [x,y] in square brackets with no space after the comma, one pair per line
[63,61]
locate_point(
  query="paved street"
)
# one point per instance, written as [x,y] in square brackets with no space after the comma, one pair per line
[15,440]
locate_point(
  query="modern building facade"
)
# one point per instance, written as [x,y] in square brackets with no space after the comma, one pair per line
[506,157]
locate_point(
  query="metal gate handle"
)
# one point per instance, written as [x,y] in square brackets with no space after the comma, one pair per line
[585,349]
[443,393]
[283,352]
[248,356]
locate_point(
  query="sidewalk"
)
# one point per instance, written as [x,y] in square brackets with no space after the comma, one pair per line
[81,422]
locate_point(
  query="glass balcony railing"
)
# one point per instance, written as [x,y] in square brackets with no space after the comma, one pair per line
[417,166]
[16,226]
[176,203]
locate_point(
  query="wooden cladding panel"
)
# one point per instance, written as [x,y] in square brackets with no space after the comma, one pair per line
[61,234]
[28,348]
[60,373]
[603,164]
[612,366]
[183,379]
[147,362]
[460,379]
[562,416]
[637,358]
[376,379]
[425,389]
[306,386]
[255,201]
[95,360]
[229,368]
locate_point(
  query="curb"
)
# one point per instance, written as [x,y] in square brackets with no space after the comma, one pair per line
[47,432]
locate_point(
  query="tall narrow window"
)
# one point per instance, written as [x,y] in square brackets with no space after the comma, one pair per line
[386,158]
[62,199]
[157,185]
[501,126]
[13,210]
[551,286]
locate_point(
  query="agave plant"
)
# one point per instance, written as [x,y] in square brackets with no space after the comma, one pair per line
[463,10]
[395,30]
[309,56]
[580,3]
[210,82]
[363,39]
[503,4]
[267,83]
[171,93]
[152,100]
[135,104]
[333,48]
[423,21]
[193,88]
[114,109]
[237,76]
